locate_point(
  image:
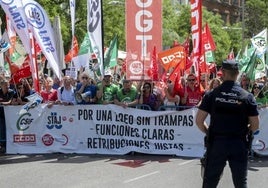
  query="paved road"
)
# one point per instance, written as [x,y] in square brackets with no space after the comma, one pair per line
[99,171]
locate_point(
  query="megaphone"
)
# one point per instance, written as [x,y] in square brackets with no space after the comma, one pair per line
[79,97]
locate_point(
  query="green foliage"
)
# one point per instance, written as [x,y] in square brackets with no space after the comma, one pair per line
[176,23]
[255,17]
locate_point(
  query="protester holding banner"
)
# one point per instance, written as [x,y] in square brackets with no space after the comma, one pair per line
[22,92]
[233,114]
[66,92]
[49,94]
[171,98]
[106,89]
[6,96]
[127,96]
[147,96]
[86,90]
[193,93]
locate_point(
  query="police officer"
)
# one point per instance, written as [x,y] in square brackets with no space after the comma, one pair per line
[233,113]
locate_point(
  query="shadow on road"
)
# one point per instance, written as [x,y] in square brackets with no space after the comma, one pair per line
[132,160]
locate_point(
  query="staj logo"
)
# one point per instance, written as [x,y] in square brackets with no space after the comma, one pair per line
[24,121]
[35,15]
[54,121]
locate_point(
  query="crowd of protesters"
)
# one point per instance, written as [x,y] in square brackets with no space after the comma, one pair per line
[148,95]
[188,92]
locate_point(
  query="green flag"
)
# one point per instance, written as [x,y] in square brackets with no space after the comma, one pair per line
[209,56]
[110,58]
[85,46]
[251,66]
[245,60]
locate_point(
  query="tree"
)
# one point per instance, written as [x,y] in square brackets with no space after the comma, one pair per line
[221,37]
[255,17]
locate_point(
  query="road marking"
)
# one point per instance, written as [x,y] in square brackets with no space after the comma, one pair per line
[140,177]
[186,162]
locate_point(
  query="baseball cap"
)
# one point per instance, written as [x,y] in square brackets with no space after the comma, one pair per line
[107,72]
[230,65]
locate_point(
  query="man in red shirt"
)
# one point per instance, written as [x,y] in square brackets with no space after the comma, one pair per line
[192,94]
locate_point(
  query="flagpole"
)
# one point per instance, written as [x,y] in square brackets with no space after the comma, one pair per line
[1,54]
[243,23]
[102,31]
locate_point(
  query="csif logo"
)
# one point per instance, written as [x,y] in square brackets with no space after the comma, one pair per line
[95,15]
[24,121]
[35,15]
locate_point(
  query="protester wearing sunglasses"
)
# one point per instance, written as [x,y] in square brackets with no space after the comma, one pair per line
[147,96]
[86,90]
[258,92]
[192,93]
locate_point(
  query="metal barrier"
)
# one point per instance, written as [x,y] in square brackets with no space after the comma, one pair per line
[143,107]
[173,107]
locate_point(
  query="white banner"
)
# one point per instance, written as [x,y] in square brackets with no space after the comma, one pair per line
[102,129]
[40,25]
[110,129]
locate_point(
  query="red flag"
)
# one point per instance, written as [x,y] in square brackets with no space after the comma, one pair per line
[186,46]
[24,72]
[176,72]
[208,43]
[171,57]
[196,22]
[154,65]
[72,52]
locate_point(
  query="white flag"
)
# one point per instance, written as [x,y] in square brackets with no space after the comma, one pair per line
[14,10]
[260,42]
[94,26]
[40,25]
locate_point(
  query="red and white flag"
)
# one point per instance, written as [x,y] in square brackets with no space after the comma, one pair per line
[196,21]
[208,43]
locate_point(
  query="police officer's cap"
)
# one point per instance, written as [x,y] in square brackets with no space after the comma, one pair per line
[230,65]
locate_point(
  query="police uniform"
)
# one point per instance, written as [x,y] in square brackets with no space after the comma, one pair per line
[229,107]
